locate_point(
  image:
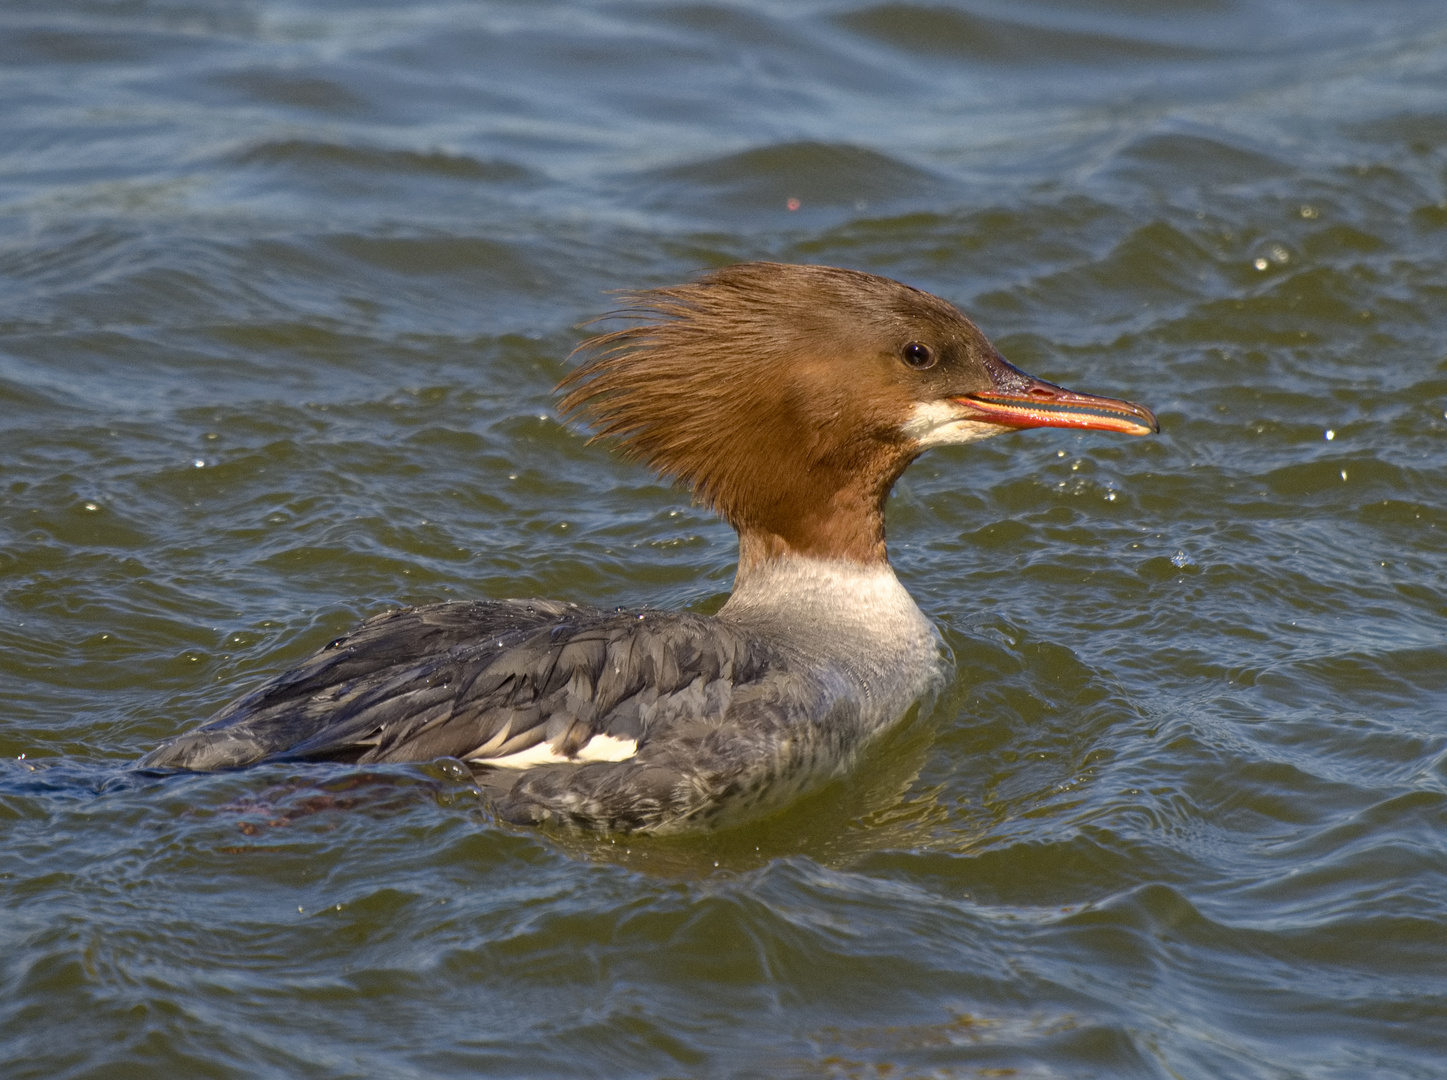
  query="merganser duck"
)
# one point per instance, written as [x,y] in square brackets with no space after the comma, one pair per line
[787,398]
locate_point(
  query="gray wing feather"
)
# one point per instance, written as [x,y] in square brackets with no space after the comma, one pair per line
[480,680]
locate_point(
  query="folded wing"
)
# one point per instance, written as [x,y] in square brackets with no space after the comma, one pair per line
[512,684]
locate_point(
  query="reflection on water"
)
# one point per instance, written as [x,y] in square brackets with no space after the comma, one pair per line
[284,288]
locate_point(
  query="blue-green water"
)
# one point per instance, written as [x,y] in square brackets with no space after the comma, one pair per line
[284,288]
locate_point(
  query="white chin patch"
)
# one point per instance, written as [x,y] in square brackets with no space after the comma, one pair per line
[938,423]
[598,748]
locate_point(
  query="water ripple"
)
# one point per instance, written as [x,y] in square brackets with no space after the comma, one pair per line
[284,289]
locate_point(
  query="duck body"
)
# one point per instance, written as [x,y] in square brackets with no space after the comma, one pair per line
[626,720]
[789,399]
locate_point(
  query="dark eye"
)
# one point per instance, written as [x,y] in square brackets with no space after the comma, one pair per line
[918,356]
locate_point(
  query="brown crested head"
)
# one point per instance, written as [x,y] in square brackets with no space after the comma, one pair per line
[790,398]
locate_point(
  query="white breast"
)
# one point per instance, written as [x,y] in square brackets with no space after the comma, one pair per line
[847,621]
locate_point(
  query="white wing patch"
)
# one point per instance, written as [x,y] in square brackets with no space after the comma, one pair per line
[607,748]
[598,748]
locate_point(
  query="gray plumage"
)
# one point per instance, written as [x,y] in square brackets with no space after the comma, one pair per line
[722,718]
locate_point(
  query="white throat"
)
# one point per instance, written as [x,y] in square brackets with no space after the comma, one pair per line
[848,620]
[938,423]
[827,591]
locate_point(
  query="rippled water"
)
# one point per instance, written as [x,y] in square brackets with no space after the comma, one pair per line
[284,288]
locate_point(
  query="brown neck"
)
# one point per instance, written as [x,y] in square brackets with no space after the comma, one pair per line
[847,526]
[760,547]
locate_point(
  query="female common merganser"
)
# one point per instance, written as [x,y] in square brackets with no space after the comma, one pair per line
[787,398]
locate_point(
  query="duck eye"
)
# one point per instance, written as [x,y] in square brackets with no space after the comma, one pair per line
[918,356]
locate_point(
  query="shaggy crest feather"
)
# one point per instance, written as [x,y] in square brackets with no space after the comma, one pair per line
[734,386]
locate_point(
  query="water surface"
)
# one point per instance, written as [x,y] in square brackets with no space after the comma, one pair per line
[284,289]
